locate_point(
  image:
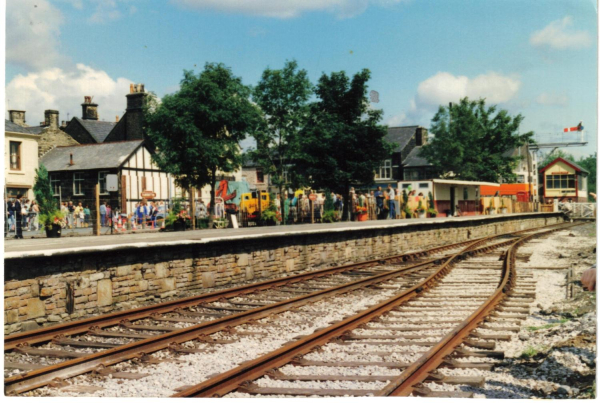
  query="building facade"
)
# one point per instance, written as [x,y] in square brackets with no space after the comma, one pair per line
[75,171]
[564,180]
[20,160]
[525,189]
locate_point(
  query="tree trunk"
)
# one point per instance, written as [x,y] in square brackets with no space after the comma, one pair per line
[282,204]
[211,213]
[347,203]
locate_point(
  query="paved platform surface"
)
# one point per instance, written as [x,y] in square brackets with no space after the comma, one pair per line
[48,247]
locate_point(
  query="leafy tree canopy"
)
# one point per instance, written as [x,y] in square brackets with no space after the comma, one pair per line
[42,191]
[554,154]
[470,140]
[282,96]
[197,130]
[589,164]
[342,143]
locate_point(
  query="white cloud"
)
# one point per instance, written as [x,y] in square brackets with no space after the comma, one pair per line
[445,87]
[32,33]
[557,35]
[285,8]
[552,99]
[63,90]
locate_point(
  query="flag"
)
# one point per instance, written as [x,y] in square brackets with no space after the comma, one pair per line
[577,128]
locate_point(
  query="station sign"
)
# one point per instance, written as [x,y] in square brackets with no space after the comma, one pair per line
[312,197]
[148,194]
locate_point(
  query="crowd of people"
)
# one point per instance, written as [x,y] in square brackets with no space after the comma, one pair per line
[24,213]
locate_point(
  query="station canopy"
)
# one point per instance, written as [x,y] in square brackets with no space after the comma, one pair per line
[464,183]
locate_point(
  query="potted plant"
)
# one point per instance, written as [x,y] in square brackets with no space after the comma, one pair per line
[178,217]
[503,208]
[361,213]
[420,210]
[51,220]
[330,216]
[492,207]
[431,211]
[270,216]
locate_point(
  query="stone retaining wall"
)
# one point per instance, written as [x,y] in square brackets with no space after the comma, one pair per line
[42,291]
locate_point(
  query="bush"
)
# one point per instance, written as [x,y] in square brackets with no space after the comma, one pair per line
[330,216]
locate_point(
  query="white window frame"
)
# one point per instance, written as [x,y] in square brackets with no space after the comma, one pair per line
[385,170]
[100,181]
[78,179]
[54,184]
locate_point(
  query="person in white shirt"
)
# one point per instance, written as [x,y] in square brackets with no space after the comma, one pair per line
[392,196]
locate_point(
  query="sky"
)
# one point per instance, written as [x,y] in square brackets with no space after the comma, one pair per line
[534,58]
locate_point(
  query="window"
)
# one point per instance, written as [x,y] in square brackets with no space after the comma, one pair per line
[423,185]
[560,181]
[385,170]
[581,182]
[15,155]
[405,185]
[260,176]
[520,178]
[78,183]
[465,193]
[102,181]
[55,185]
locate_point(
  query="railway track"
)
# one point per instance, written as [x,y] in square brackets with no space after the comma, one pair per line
[93,345]
[396,345]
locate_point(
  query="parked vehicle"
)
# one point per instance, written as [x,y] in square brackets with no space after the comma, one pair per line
[249,205]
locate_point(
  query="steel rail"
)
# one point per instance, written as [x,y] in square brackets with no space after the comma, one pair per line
[420,369]
[41,377]
[231,380]
[46,334]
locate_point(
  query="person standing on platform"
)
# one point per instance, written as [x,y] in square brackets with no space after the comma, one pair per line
[385,207]
[379,201]
[71,214]
[392,196]
[87,215]
[34,212]
[19,217]
[103,214]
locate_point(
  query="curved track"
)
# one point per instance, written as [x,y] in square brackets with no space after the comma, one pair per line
[406,345]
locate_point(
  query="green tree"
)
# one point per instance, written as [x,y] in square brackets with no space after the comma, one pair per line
[342,143]
[589,164]
[554,154]
[470,140]
[43,195]
[197,130]
[282,96]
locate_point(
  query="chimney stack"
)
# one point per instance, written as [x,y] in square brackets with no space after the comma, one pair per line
[421,136]
[51,119]
[17,117]
[71,160]
[134,113]
[89,110]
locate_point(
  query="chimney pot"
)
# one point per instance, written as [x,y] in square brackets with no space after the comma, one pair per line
[117,118]
[71,160]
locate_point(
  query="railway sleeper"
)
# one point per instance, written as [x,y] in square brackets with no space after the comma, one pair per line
[461,352]
[65,341]
[351,364]
[252,388]
[47,352]
[426,392]
[455,364]
[113,373]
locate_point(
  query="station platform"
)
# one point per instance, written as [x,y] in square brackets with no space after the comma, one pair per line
[40,247]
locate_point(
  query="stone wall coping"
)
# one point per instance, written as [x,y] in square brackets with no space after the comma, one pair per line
[284,231]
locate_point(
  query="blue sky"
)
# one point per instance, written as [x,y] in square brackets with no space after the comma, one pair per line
[530,57]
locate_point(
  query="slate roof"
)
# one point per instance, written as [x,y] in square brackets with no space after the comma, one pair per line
[90,156]
[400,136]
[15,128]
[414,159]
[97,128]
